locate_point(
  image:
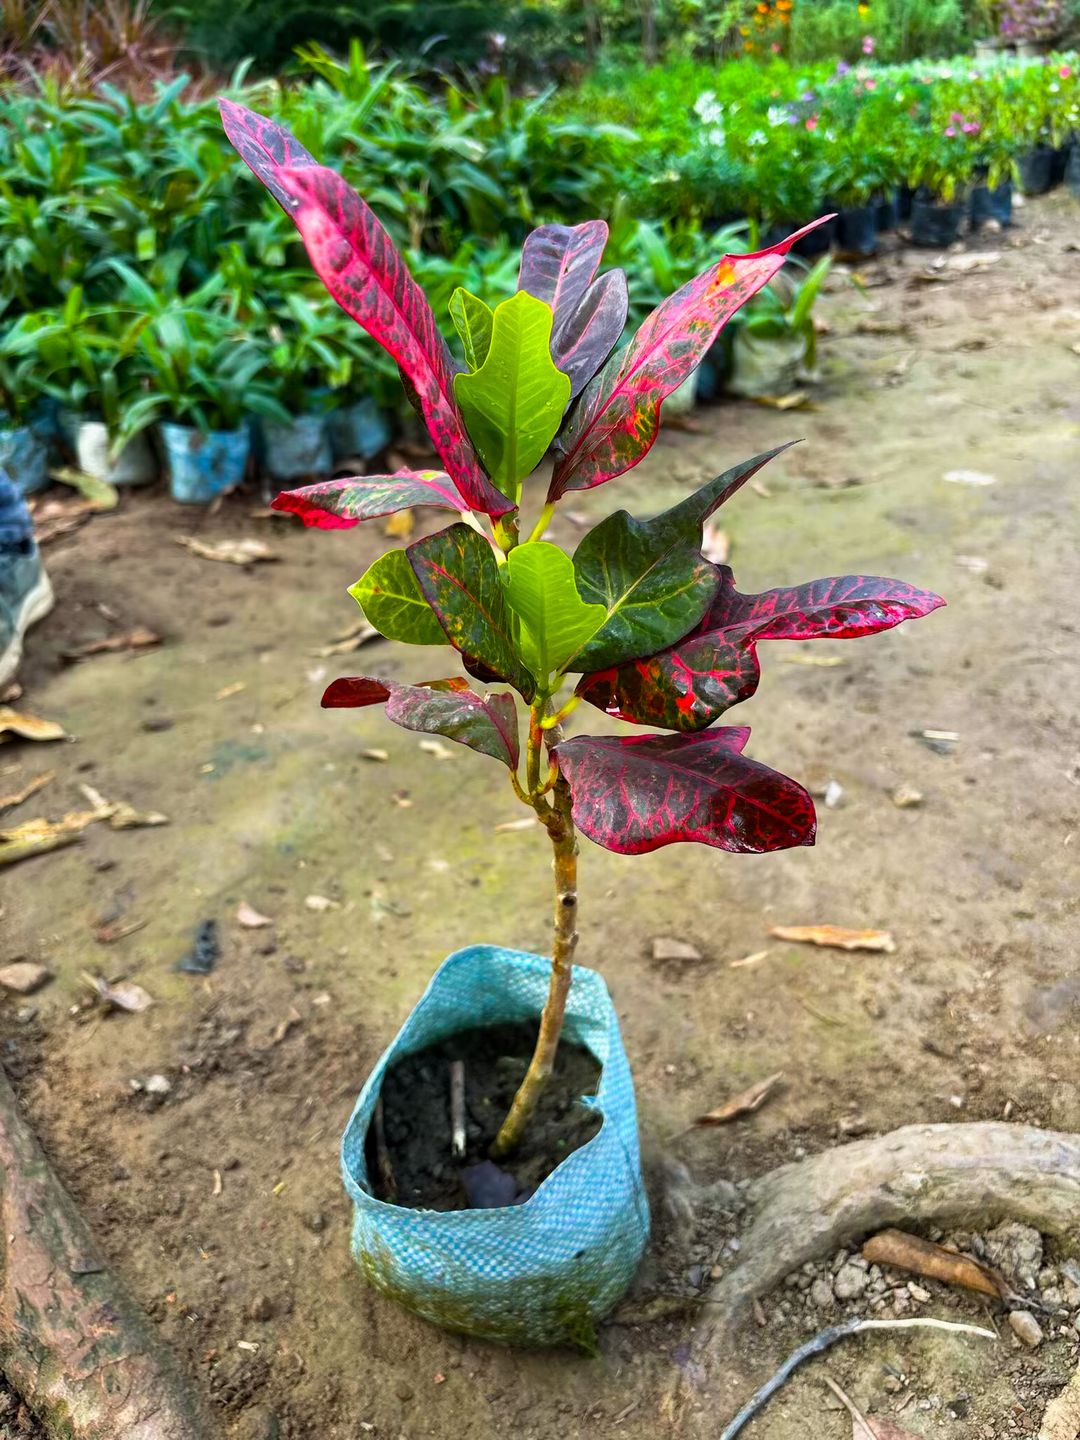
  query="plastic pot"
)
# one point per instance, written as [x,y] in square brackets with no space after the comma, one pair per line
[765,365]
[934,223]
[682,400]
[25,457]
[1072,170]
[856,230]
[1059,163]
[905,199]
[995,204]
[298,449]
[360,429]
[202,466]
[135,465]
[818,242]
[542,1272]
[1036,170]
[887,213]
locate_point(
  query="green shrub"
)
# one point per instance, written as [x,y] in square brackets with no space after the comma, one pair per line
[901,30]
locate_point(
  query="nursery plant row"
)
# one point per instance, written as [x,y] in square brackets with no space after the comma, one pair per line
[144,290]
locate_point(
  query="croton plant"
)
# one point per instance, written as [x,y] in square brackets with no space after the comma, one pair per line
[636,623]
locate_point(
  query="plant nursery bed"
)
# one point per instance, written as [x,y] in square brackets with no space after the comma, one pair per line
[417,1119]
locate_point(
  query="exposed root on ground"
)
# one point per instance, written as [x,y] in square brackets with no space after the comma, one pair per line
[75,1347]
[945,1174]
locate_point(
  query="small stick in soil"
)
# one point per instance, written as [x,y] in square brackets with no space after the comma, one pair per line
[849,1405]
[382,1156]
[822,1342]
[457,1109]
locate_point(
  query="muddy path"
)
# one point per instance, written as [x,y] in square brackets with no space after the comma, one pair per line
[219,1200]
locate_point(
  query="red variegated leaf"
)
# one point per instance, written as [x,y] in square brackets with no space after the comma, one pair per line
[558,263]
[840,607]
[487,724]
[691,683]
[341,504]
[635,794]
[357,262]
[265,147]
[617,418]
[586,337]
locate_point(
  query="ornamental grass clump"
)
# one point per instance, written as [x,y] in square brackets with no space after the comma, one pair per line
[636,623]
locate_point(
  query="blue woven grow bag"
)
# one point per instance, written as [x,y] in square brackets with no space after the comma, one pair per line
[540,1273]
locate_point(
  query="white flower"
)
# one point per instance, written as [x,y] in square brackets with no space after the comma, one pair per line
[757,138]
[777,115]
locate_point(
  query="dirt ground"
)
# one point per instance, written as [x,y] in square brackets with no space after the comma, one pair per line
[219,1202]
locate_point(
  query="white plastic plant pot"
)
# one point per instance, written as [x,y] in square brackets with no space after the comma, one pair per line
[542,1272]
[298,449]
[135,465]
[25,457]
[765,365]
[358,431]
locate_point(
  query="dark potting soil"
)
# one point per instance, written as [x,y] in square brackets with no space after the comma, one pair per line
[416,1120]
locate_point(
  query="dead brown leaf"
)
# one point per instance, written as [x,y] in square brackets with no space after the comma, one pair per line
[796,400]
[8,802]
[745,1103]
[35,837]
[28,727]
[109,933]
[835,937]
[754,959]
[250,918]
[357,635]
[125,995]
[866,1427]
[922,1257]
[228,691]
[138,639]
[229,552]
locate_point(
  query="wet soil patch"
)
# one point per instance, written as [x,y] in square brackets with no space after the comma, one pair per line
[416,1120]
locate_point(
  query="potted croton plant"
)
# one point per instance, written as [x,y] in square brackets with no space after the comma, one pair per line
[495,1172]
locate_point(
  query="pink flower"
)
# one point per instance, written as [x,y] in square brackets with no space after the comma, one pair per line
[870,84]
[972,128]
[868,45]
[775,48]
[811,122]
[1065,72]
[950,132]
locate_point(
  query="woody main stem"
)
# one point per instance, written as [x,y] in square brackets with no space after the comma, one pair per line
[557,818]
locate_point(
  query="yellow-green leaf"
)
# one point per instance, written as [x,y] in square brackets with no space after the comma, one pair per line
[513,404]
[472,321]
[390,596]
[555,621]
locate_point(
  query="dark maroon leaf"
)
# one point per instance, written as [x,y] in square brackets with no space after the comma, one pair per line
[582,341]
[617,418]
[558,263]
[457,571]
[685,687]
[840,607]
[637,793]
[439,707]
[265,147]
[340,504]
[357,262]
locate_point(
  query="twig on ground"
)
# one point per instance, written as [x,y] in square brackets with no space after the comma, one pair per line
[824,1341]
[457,1109]
[849,1404]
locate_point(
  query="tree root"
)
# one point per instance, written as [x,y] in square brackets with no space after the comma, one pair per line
[948,1174]
[76,1348]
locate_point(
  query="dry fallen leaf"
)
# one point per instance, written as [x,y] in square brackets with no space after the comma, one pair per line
[109,933]
[904,797]
[228,691]
[868,1427]
[437,749]
[229,552]
[138,639]
[352,639]
[715,543]
[35,837]
[826,662]
[126,817]
[401,799]
[249,917]
[28,727]
[125,995]
[795,400]
[973,563]
[526,823]
[320,903]
[666,948]
[374,753]
[922,1257]
[400,525]
[968,477]
[745,1103]
[754,959]
[8,802]
[977,260]
[835,937]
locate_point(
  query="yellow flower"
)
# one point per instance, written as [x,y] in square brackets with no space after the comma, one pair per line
[864,8]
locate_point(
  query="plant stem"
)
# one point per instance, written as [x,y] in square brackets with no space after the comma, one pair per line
[560,827]
[543,522]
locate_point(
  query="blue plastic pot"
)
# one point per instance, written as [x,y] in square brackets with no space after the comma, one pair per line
[995,204]
[25,457]
[298,449]
[856,230]
[360,429]
[543,1272]
[202,466]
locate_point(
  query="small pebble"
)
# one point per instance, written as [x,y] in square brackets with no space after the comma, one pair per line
[261,1308]
[850,1282]
[821,1294]
[1026,1328]
[157,1085]
[23,977]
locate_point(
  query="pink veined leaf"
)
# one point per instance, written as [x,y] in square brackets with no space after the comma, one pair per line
[558,263]
[487,724]
[691,683]
[341,504]
[359,265]
[265,147]
[637,793]
[617,418]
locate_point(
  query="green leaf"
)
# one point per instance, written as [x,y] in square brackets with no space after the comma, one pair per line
[459,577]
[650,575]
[391,598]
[472,321]
[555,621]
[514,404]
